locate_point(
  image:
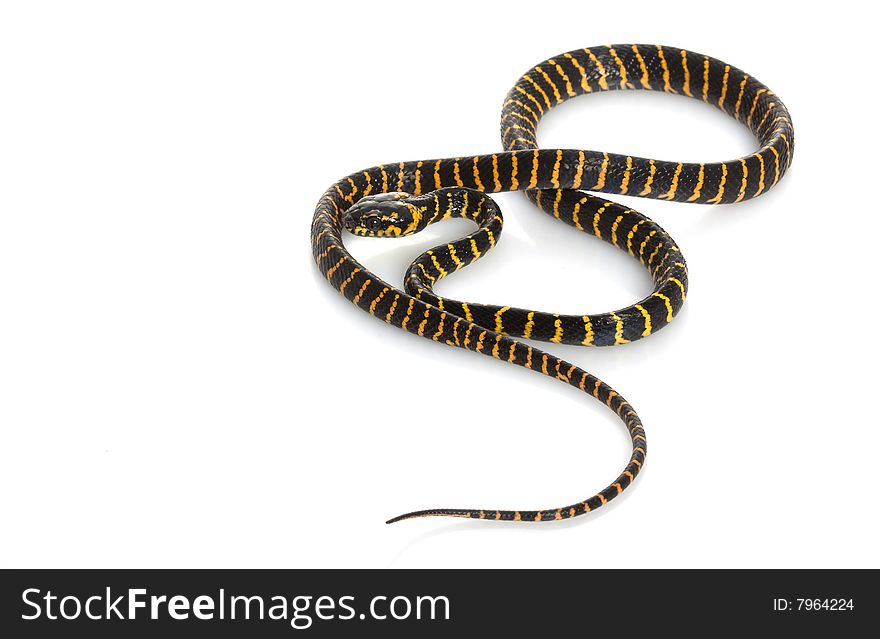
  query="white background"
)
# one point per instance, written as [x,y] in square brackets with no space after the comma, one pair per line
[179,387]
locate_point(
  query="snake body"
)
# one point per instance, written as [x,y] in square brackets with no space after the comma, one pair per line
[399,199]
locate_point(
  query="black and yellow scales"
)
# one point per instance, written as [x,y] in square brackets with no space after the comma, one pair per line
[400,199]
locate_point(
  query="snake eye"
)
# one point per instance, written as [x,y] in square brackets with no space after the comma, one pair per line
[373,223]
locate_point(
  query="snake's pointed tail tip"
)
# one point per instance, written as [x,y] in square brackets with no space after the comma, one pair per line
[394,520]
[430,513]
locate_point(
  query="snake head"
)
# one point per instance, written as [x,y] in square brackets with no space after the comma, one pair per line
[384,215]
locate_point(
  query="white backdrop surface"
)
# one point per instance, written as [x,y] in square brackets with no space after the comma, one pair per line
[179,387]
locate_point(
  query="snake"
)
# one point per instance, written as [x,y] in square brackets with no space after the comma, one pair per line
[400,199]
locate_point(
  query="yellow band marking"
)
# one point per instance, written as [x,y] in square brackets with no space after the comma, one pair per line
[644,244]
[742,86]
[455,258]
[477,180]
[699,185]
[440,270]
[532,98]
[766,114]
[724,86]
[495,346]
[530,324]
[357,298]
[533,182]
[554,178]
[686,86]
[474,250]
[437,182]
[467,335]
[557,336]
[393,307]
[614,229]
[652,169]
[754,106]
[776,157]
[705,79]
[644,78]
[631,235]
[680,286]
[499,325]
[575,214]
[600,182]
[514,183]
[539,90]
[377,299]
[579,172]
[480,339]
[456,169]
[588,332]
[647,317]
[562,74]
[624,183]
[427,275]
[668,305]
[673,187]
[325,252]
[596,217]
[618,333]
[603,82]
[745,181]
[418,177]
[720,194]
[439,332]
[409,310]
[333,268]
[584,84]
[654,254]
[663,65]
[527,107]
[550,82]
[760,157]
[348,280]
[424,322]
[624,83]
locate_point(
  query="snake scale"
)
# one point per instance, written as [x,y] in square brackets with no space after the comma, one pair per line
[404,198]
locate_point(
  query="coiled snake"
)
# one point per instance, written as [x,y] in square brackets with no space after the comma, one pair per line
[404,198]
